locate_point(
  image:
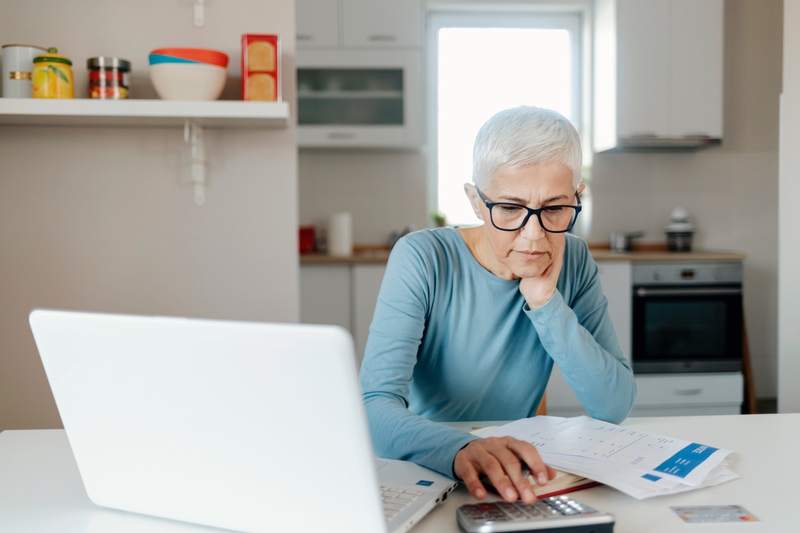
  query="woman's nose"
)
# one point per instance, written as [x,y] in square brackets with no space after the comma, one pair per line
[533,230]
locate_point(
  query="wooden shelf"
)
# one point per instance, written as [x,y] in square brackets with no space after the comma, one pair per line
[142,113]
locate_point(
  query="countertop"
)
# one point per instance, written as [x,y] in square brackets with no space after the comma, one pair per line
[373,256]
[41,489]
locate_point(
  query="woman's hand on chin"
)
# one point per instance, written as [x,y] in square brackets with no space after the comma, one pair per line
[539,289]
[501,460]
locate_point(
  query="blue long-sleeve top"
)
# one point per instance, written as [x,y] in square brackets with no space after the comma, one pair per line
[450,341]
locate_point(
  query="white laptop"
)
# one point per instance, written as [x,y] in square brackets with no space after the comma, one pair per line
[245,426]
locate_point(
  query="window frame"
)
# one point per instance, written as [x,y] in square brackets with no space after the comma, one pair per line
[572,18]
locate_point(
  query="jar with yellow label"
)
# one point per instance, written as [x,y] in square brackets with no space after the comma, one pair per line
[52,75]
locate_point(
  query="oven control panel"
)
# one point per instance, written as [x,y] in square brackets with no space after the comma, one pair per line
[705,273]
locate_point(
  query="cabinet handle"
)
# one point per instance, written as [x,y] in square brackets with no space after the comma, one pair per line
[688,392]
[644,293]
[382,38]
[304,37]
[341,135]
[642,135]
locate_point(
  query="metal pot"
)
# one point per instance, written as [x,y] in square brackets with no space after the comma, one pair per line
[621,241]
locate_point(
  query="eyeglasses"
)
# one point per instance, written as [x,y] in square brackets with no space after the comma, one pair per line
[552,218]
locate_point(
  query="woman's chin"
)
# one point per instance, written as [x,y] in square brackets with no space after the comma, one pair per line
[530,267]
[529,271]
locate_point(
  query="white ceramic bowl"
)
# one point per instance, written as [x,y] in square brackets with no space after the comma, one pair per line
[188,81]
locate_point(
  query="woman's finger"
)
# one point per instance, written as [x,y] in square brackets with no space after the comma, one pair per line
[472,481]
[532,458]
[512,464]
[492,468]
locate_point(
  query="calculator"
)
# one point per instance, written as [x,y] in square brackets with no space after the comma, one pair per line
[559,514]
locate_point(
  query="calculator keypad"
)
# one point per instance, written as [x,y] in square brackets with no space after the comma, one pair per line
[554,507]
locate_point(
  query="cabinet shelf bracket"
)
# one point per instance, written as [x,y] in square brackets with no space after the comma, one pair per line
[193,135]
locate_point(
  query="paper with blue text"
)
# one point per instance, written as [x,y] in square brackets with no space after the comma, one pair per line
[638,463]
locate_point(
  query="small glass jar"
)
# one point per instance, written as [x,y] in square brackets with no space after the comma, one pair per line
[109,78]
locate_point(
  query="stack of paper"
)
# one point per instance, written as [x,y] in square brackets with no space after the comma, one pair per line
[635,462]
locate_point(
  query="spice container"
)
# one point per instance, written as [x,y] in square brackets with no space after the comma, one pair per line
[52,75]
[109,77]
[17,68]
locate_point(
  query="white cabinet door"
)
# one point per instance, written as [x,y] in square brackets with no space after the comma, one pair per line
[317,23]
[381,23]
[697,60]
[615,279]
[643,68]
[366,285]
[325,295]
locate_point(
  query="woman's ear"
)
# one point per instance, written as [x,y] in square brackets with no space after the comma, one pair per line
[474,200]
[581,187]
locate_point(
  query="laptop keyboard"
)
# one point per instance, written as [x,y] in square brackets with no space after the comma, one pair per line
[396,499]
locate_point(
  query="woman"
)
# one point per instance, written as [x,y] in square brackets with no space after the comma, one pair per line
[470,321]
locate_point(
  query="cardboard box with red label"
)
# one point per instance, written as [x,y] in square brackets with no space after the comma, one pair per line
[261,67]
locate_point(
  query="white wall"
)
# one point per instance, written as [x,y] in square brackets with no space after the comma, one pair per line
[384,190]
[732,190]
[789,284]
[100,219]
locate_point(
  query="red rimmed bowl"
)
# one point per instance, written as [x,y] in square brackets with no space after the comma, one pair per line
[200,55]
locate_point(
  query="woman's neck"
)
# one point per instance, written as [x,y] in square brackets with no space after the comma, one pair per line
[481,250]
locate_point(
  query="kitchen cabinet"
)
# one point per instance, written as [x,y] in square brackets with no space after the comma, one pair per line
[317,23]
[359,98]
[666,395]
[381,23]
[343,295]
[689,394]
[359,23]
[615,278]
[359,68]
[658,79]
[325,295]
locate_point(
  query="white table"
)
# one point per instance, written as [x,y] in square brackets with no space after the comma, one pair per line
[41,491]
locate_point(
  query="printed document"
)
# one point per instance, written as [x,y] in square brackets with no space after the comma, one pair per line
[636,462]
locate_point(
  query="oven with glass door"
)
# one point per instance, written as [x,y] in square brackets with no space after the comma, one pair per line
[687,317]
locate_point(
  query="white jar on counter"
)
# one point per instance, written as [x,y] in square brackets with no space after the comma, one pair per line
[17,69]
[340,234]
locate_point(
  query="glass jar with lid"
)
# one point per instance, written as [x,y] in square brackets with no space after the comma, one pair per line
[109,77]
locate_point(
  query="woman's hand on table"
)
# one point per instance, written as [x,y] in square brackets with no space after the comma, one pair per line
[502,460]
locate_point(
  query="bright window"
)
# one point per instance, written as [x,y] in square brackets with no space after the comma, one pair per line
[483,64]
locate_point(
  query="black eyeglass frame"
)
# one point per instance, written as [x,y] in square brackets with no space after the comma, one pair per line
[530,212]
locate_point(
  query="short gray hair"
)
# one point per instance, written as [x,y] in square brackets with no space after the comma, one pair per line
[523,136]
